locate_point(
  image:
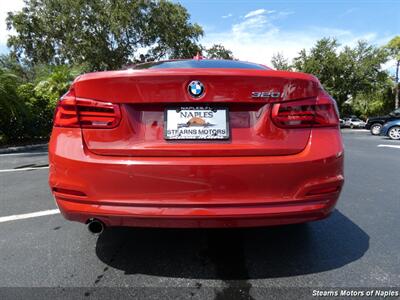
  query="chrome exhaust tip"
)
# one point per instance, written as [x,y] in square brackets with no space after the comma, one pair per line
[95,226]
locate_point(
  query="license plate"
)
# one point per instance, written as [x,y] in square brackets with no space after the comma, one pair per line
[196,123]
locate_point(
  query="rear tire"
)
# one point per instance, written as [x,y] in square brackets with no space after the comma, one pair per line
[376,128]
[394,133]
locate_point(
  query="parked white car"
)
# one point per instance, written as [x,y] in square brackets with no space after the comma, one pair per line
[354,123]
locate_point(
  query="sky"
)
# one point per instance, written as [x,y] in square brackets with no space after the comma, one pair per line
[6,6]
[255,30]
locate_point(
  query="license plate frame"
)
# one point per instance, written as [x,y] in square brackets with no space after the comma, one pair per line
[194,122]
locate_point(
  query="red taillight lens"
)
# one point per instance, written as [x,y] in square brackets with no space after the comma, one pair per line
[85,113]
[317,112]
[96,114]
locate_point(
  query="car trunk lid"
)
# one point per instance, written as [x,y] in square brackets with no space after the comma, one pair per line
[145,95]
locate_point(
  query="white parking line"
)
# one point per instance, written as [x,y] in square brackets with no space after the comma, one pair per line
[23,153]
[390,146]
[22,169]
[29,215]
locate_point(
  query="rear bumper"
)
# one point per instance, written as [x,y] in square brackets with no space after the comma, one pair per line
[199,217]
[196,191]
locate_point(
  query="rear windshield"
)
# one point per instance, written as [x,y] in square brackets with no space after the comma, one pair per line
[203,63]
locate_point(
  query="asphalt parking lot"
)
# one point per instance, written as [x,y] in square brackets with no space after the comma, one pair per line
[358,246]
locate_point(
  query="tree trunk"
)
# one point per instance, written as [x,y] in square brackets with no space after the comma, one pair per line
[396,88]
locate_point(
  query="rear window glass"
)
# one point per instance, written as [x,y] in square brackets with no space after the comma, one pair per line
[204,63]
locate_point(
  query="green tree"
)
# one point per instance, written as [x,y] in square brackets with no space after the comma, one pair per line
[375,102]
[322,61]
[42,95]
[27,107]
[279,62]
[53,82]
[10,107]
[361,67]
[394,50]
[347,73]
[104,34]
[218,51]
[10,63]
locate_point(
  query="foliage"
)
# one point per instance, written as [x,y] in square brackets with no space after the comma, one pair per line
[54,82]
[347,73]
[394,50]
[104,34]
[51,83]
[218,51]
[10,107]
[279,62]
[394,47]
[27,107]
[10,63]
[373,103]
[322,61]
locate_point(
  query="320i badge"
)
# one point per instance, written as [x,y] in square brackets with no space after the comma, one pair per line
[195,143]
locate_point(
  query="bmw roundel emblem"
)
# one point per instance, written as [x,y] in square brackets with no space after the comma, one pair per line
[196,89]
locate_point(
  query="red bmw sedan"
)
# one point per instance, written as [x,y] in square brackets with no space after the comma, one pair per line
[196,143]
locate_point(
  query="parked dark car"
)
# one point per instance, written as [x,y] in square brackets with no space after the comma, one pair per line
[375,124]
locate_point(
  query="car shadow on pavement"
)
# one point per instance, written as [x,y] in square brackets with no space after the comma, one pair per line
[235,254]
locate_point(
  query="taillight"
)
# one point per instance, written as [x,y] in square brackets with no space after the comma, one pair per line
[86,113]
[316,112]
